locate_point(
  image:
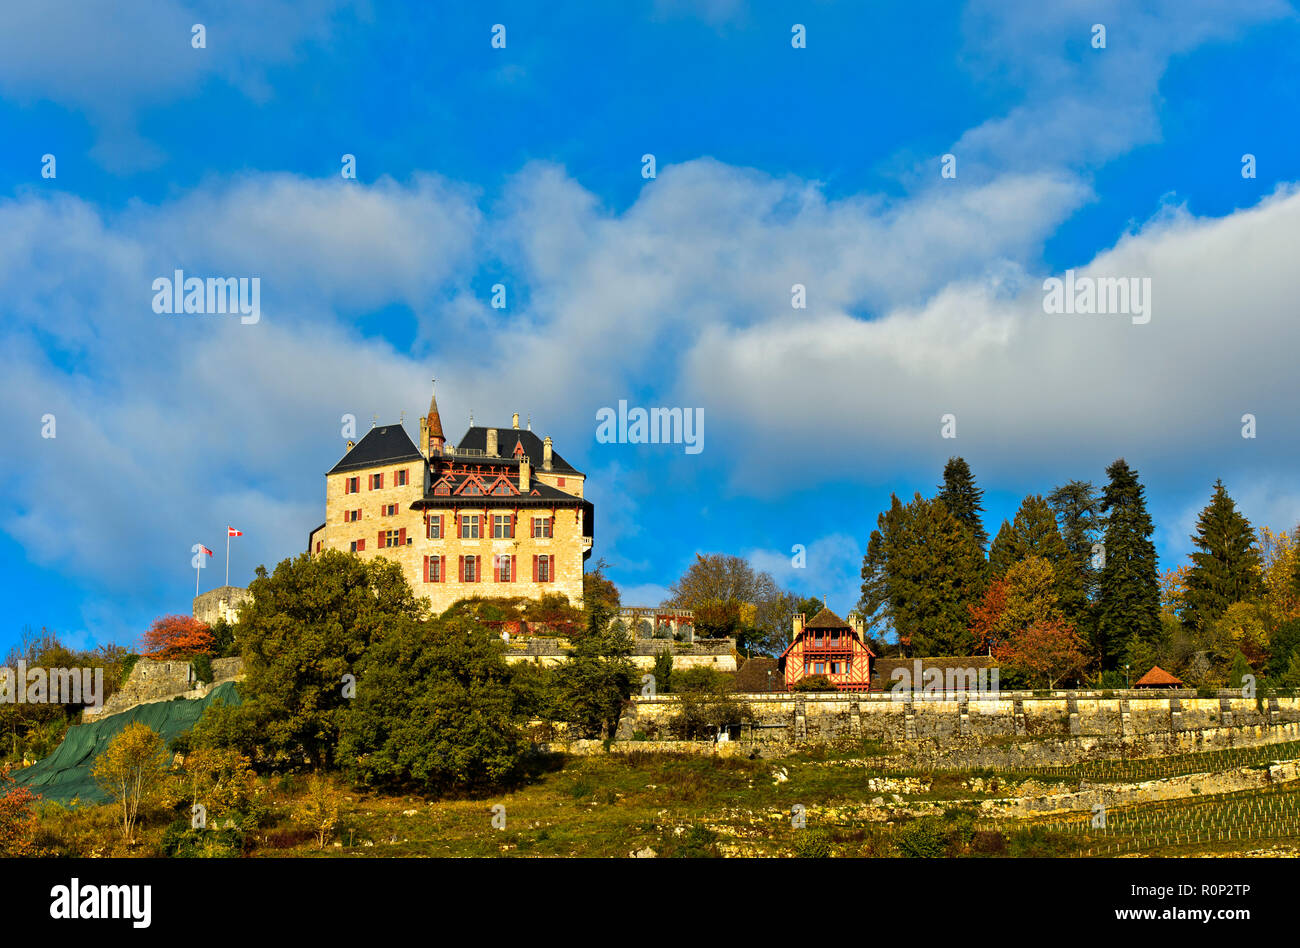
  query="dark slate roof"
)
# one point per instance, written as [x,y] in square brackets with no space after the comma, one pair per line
[826,620]
[388,444]
[476,440]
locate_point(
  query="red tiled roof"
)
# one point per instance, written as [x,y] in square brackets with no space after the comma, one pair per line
[1157,676]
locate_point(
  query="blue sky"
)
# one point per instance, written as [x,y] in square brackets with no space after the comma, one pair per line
[522,166]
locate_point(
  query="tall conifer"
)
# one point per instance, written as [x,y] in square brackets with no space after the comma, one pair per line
[963,499]
[1128,605]
[1226,563]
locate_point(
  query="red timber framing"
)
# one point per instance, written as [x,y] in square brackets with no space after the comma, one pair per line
[828,646]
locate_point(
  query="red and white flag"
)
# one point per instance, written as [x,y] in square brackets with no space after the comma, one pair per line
[232,532]
[205,549]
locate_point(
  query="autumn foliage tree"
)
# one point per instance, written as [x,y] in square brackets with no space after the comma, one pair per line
[173,636]
[1048,651]
[987,613]
[18,821]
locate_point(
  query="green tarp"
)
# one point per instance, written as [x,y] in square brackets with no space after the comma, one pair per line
[65,774]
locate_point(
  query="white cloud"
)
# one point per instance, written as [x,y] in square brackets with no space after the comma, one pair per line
[113,59]
[831,570]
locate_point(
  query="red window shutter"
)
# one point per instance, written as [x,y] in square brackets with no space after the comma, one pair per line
[496,564]
[478,569]
[461,568]
[426,569]
[551,569]
[379,544]
[534,567]
[361,545]
[440,531]
[401,537]
[442,569]
[396,508]
[512,568]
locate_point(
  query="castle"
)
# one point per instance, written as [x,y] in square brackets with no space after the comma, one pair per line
[499,514]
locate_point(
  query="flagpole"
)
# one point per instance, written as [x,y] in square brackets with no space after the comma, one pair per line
[227,556]
[197,571]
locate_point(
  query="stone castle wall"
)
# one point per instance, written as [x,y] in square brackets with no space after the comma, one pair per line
[220,603]
[152,680]
[1014,728]
[719,654]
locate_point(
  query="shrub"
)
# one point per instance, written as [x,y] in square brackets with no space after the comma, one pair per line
[814,683]
[812,844]
[702,715]
[201,665]
[700,842]
[18,822]
[181,840]
[988,843]
[924,838]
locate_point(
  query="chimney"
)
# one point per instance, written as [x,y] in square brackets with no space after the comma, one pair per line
[492,442]
[516,421]
[546,454]
[798,626]
[525,476]
[424,436]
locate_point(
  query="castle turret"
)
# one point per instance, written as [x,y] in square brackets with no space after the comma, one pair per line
[431,437]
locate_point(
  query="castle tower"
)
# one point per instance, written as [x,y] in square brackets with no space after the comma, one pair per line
[431,437]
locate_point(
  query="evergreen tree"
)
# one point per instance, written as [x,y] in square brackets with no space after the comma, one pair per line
[962,498]
[1226,563]
[1001,556]
[922,571]
[1075,505]
[1128,604]
[1034,533]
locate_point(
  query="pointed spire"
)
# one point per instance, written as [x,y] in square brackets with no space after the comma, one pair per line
[433,420]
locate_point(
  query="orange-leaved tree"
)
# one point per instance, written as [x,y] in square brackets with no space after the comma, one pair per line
[986,615]
[171,636]
[18,821]
[1048,649]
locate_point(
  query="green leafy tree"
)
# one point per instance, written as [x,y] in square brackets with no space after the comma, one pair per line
[433,711]
[600,599]
[1129,589]
[663,672]
[963,499]
[596,681]
[763,610]
[131,770]
[309,625]
[1226,566]
[1238,671]
[922,572]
